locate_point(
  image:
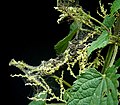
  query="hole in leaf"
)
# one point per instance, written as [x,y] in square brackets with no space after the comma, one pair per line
[104,94]
[110,90]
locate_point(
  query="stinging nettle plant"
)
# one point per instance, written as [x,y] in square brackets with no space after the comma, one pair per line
[96,75]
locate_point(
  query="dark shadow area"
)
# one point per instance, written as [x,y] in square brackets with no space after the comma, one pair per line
[29,33]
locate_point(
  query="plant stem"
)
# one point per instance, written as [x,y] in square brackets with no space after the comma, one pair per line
[99,23]
[110,58]
[113,48]
[66,83]
[114,55]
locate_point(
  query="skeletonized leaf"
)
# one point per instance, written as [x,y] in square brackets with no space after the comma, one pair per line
[93,88]
[101,42]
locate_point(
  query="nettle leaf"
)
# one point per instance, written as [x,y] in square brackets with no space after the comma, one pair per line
[111,73]
[117,63]
[61,46]
[41,95]
[101,42]
[93,88]
[109,21]
[115,6]
[57,104]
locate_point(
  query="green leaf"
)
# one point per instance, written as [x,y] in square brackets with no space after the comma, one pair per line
[41,95]
[115,6]
[67,94]
[57,104]
[117,63]
[101,42]
[111,73]
[61,46]
[93,88]
[109,21]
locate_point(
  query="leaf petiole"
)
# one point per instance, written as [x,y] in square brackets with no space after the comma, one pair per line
[66,83]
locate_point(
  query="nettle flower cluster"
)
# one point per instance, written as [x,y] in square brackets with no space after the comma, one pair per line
[75,53]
